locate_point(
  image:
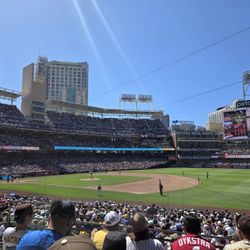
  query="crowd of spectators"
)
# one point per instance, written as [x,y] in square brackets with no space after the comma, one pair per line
[234,163]
[204,149]
[129,127]
[237,147]
[76,130]
[11,116]
[47,140]
[36,164]
[63,129]
[124,163]
[164,224]
[197,146]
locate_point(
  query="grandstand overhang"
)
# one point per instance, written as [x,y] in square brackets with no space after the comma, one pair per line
[10,95]
[60,106]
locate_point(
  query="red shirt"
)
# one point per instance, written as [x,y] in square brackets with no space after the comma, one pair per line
[191,242]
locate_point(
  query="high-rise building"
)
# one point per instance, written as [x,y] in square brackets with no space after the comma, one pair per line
[68,82]
[63,81]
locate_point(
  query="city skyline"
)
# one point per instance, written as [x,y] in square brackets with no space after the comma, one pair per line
[190,56]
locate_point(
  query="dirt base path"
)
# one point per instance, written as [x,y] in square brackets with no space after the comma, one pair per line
[170,183]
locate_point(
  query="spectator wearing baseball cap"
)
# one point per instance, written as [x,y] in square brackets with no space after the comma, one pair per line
[243,232]
[78,242]
[12,235]
[141,239]
[61,219]
[110,238]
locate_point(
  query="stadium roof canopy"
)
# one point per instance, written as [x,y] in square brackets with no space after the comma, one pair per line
[100,112]
[8,94]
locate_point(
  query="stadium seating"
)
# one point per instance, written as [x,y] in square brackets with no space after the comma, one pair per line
[165,224]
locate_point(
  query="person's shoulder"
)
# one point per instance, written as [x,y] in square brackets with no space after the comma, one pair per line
[243,244]
[175,244]
[100,233]
[39,239]
[31,238]
[157,242]
[31,235]
[229,246]
[116,234]
[115,240]
[130,243]
[9,230]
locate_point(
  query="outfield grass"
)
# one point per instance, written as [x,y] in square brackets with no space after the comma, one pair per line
[225,188]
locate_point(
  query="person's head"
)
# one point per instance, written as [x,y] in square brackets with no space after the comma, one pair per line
[62,216]
[140,227]
[192,224]
[78,242]
[23,214]
[112,220]
[243,226]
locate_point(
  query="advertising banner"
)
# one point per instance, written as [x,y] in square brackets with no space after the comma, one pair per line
[234,156]
[19,148]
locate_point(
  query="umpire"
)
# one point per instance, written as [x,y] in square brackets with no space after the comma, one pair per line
[161,187]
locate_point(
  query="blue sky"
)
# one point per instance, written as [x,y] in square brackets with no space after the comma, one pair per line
[123,40]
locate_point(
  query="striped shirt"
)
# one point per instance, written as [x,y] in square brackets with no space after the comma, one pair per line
[149,244]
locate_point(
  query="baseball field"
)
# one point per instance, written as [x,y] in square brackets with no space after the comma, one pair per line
[183,187]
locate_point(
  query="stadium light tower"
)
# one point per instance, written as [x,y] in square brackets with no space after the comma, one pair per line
[146,99]
[246,84]
[128,98]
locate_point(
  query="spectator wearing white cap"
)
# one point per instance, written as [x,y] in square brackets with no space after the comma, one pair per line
[110,238]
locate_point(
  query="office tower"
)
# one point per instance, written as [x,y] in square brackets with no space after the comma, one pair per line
[46,80]
[68,82]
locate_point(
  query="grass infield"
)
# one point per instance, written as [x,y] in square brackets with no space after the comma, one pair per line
[225,188]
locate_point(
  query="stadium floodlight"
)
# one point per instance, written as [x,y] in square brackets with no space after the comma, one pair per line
[145,98]
[132,99]
[128,98]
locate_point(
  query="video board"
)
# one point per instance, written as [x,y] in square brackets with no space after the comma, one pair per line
[237,124]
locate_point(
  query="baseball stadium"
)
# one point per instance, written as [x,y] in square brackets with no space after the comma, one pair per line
[122,160]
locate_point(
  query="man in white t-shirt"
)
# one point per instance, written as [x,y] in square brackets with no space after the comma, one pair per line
[12,235]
